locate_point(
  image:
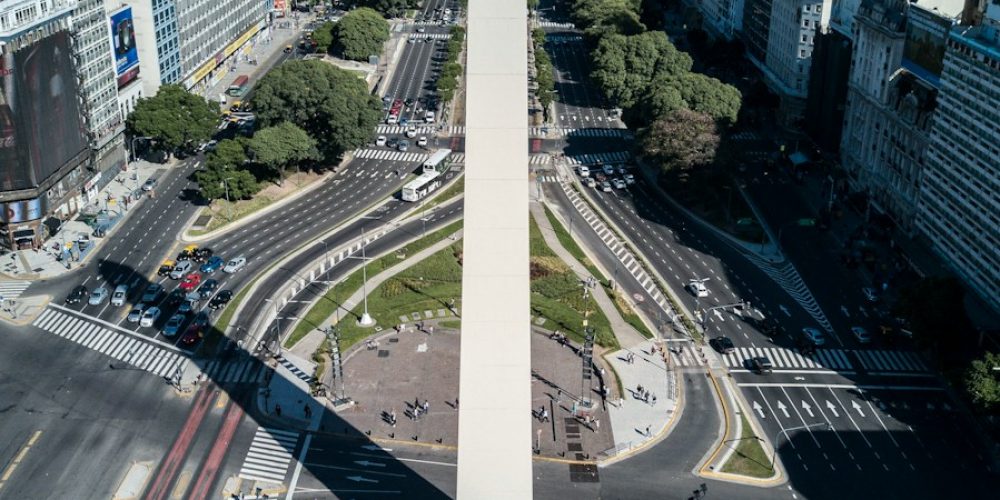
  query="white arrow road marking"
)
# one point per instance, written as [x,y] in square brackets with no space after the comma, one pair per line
[804,423]
[372,447]
[718,314]
[783,409]
[832,408]
[844,310]
[759,409]
[366,463]
[807,408]
[862,434]
[362,479]
[857,407]
[785,310]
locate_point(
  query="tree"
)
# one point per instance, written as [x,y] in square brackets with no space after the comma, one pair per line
[533,4]
[360,33]
[982,382]
[215,181]
[282,145]
[390,8]
[624,66]
[660,99]
[228,153]
[323,37]
[544,78]
[588,13]
[681,139]
[708,95]
[174,118]
[331,104]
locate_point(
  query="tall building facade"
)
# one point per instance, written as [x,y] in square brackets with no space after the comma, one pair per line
[959,208]
[193,42]
[44,150]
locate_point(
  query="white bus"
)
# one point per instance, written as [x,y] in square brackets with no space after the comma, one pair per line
[438,161]
[428,180]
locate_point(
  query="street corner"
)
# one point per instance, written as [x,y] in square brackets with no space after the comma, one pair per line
[23,310]
[134,482]
[237,487]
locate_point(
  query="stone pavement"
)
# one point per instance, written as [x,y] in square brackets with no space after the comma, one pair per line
[626,334]
[119,198]
[23,311]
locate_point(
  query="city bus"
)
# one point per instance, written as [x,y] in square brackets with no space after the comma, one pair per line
[429,178]
[239,86]
[438,161]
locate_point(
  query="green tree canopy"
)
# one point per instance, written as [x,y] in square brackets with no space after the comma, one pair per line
[660,99]
[589,13]
[708,95]
[228,153]
[331,104]
[681,139]
[323,36]
[282,145]
[625,66]
[360,33]
[982,382]
[389,8]
[214,181]
[175,118]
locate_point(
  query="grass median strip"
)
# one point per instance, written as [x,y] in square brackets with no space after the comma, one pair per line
[749,457]
[324,307]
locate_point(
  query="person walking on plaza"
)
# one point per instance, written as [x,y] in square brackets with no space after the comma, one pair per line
[545,414]
[392,417]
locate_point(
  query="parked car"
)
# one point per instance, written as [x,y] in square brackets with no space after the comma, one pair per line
[181,269]
[723,344]
[190,282]
[212,265]
[77,295]
[98,296]
[221,299]
[136,313]
[149,316]
[121,294]
[152,293]
[235,265]
[861,334]
[173,325]
[813,336]
[207,288]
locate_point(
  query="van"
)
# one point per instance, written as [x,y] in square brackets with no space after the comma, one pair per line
[429,117]
[181,269]
[121,293]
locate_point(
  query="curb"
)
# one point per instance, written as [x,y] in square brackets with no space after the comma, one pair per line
[28,319]
[663,434]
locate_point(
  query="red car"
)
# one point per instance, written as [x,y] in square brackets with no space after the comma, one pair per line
[192,335]
[190,282]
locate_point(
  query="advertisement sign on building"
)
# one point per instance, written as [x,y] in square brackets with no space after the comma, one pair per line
[279,8]
[40,124]
[123,45]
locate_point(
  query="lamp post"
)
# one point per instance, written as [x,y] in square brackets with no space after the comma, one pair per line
[229,204]
[774,452]
[133,144]
[366,319]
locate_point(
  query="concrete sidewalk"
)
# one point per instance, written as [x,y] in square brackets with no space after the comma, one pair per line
[626,334]
[308,344]
[61,252]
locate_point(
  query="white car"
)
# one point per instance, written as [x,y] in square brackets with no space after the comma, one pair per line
[629,179]
[411,132]
[422,142]
[584,171]
[98,296]
[380,141]
[235,265]
[813,336]
[590,182]
[861,335]
[136,314]
[150,316]
[118,298]
[619,184]
[429,116]
[608,170]
[698,288]
[606,187]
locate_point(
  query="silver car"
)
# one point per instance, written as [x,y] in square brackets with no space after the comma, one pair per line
[118,298]
[98,296]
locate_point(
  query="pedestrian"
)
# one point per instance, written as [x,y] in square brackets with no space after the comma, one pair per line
[427,406]
[654,399]
[456,404]
[597,424]
[392,417]
[647,431]
[416,402]
[639,390]
[308,411]
[277,410]
[545,415]
[430,330]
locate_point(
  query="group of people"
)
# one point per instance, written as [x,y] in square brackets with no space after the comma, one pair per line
[645,395]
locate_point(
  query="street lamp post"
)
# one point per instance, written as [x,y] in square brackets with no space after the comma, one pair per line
[146,138]
[366,319]
[229,204]
[778,434]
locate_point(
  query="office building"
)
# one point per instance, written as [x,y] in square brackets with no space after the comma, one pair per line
[959,206]
[194,42]
[722,18]
[44,147]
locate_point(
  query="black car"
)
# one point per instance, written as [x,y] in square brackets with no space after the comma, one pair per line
[723,344]
[221,299]
[175,298]
[202,254]
[393,142]
[77,295]
[206,288]
[408,102]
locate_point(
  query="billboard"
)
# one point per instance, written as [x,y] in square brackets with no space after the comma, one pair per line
[40,124]
[21,211]
[123,46]
[279,7]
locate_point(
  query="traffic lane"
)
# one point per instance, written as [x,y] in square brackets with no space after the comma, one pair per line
[629,284]
[571,100]
[421,62]
[418,85]
[597,107]
[411,59]
[357,468]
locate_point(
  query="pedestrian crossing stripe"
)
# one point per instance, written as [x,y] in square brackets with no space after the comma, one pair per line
[558,132]
[823,359]
[685,357]
[553,24]
[890,361]
[421,130]
[241,371]
[540,159]
[547,178]
[430,36]
[269,455]
[13,289]
[746,135]
[591,159]
[391,155]
[303,376]
[126,348]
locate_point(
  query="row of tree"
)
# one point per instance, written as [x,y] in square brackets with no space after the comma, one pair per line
[359,34]
[447,81]
[544,72]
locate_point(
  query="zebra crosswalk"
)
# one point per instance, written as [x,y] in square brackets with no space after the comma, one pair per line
[239,371]
[13,289]
[785,274]
[558,132]
[823,359]
[547,178]
[591,159]
[877,360]
[421,130]
[540,159]
[107,339]
[404,156]
[430,36]
[305,377]
[269,455]
[553,24]
[685,357]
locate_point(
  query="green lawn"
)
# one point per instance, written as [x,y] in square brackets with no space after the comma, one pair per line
[749,458]
[567,241]
[324,308]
